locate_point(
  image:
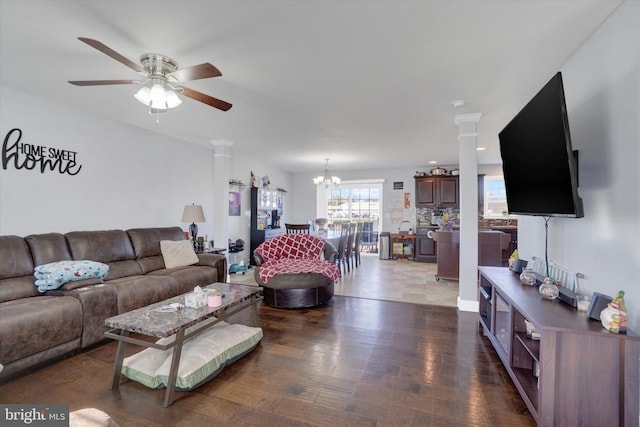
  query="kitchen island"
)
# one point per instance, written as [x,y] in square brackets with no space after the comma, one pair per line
[491,243]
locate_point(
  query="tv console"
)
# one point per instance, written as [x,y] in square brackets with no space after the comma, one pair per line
[577,373]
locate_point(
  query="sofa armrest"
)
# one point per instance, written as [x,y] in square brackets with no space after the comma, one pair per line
[215,260]
[99,301]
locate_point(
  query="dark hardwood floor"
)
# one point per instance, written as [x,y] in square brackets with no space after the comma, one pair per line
[353,362]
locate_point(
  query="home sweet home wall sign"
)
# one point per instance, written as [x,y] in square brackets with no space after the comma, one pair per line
[27,156]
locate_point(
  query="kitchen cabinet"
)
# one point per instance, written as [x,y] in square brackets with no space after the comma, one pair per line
[437,192]
[576,373]
[425,246]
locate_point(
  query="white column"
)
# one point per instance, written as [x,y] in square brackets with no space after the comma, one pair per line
[221,173]
[467,153]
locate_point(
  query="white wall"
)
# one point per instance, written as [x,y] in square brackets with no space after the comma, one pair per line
[602,89]
[129,177]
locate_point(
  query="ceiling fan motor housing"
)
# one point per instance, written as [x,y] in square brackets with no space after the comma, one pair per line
[157,64]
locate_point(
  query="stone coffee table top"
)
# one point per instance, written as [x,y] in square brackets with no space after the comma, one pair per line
[150,321]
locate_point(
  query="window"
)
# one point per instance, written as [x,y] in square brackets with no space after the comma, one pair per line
[495,198]
[355,201]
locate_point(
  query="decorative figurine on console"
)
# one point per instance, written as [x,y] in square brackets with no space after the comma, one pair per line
[614,317]
[265,181]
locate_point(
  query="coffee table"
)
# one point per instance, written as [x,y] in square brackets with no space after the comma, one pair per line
[152,322]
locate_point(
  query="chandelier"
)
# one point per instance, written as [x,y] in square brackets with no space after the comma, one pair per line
[327,180]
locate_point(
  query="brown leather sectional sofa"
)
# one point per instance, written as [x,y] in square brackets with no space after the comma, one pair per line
[36,328]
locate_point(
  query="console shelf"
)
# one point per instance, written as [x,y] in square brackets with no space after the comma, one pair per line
[577,373]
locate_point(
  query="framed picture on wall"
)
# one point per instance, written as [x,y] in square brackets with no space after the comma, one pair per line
[234,203]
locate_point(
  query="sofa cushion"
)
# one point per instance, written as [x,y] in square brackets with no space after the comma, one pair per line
[146,245]
[32,325]
[46,248]
[55,274]
[111,247]
[16,269]
[137,291]
[203,357]
[190,276]
[177,253]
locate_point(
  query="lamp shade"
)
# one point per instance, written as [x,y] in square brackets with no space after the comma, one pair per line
[193,213]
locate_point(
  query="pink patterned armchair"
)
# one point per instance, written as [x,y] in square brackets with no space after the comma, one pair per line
[296,270]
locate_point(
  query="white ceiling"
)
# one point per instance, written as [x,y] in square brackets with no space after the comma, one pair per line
[369,84]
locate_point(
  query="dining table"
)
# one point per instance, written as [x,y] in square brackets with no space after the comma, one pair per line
[332,237]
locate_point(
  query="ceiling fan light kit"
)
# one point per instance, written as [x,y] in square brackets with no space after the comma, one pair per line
[163,83]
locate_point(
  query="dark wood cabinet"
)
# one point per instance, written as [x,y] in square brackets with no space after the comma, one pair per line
[266,207]
[577,373]
[490,247]
[425,246]
[448,254]
[426,192]
[437,192]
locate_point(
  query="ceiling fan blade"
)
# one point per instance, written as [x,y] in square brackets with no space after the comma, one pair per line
[201,71]
[103,82]
[113,54]
[210,100]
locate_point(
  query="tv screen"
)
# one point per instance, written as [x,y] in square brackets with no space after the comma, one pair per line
[539,165]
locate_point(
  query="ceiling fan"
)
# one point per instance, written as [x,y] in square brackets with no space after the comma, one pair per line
[163,79]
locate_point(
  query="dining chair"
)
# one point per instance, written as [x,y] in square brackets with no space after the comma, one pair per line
[356,244]
[297,228]
[351,233]
[342,245]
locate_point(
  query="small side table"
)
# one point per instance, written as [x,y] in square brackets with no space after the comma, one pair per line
[219,251]
[216,250]
[402,245]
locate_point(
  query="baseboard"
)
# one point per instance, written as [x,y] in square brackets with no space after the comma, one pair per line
[467,305]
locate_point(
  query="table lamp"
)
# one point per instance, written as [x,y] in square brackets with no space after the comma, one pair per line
[193,213]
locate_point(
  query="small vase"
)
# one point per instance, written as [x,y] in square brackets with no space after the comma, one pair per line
[527,277]
[549,290]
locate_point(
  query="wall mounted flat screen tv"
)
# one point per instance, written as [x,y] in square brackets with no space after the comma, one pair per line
[539,165]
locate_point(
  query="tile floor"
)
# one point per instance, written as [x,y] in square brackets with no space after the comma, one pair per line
[389,280]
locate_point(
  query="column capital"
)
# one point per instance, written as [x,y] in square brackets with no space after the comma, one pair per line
[467,125]
[462,118]
[222,147]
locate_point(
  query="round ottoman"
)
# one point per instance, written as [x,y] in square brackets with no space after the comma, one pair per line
[301,290]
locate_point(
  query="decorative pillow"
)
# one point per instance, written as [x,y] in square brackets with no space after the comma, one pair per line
[203,357]
[55,274]
[177,253]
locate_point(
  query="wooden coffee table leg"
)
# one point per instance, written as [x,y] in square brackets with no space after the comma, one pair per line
[173,372]
[117,365]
